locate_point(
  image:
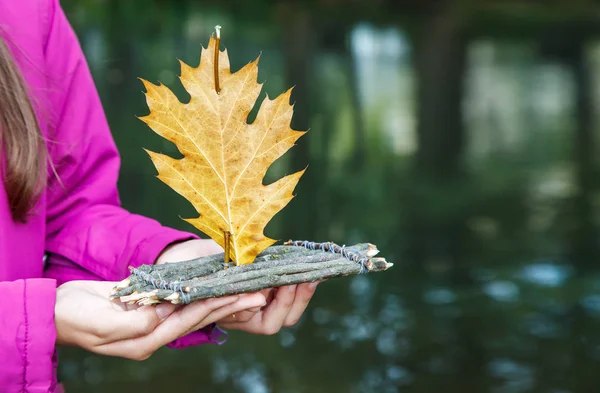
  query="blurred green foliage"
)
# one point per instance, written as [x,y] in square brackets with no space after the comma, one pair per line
[460,137]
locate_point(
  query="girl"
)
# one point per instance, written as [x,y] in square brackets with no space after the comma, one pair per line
[61,223]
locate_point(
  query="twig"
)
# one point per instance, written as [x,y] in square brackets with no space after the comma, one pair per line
[216,59]
[205,277]
[226,241]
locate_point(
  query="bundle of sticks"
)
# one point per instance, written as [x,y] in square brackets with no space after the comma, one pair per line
[295,262]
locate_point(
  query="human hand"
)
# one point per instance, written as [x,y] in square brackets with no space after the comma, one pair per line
[85,318]
[189,249]
[285,306]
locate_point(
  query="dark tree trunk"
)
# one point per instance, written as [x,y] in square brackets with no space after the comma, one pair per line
[121,54]
[567,45]
[583,237]
[298,47]
[440,63]
[360,137]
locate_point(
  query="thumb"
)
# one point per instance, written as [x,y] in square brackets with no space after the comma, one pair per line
[155,334]
[139,322]
[150,318]
[163,310]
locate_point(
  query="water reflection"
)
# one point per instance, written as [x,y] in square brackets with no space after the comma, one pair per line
[545,274]
[483,194]
[246,374]
[502,291]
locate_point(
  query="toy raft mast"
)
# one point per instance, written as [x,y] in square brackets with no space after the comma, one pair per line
[221,174]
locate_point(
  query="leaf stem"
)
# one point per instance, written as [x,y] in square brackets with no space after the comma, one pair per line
[227,255]
[216,61]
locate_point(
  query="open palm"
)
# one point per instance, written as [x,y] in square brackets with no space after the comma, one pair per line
[84,317]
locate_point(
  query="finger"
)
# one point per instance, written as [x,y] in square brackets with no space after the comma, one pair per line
[140,322]
[174,326]
[274,315]
[248,314]
[121,325]
[242,316]
[304,293]
[270,320]
[118,323]
[241,310]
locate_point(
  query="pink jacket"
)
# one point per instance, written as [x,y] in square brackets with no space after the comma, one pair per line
[79,225]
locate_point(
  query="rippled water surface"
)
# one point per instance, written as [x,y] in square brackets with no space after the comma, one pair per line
[470,160]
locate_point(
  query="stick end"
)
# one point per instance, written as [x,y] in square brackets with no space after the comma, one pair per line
[148,301]
[379,264]
[173,298]
[123,284]
[130,298]
[372,250]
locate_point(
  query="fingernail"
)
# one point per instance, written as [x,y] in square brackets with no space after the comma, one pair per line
[292,288]
[313,285]
[163,310]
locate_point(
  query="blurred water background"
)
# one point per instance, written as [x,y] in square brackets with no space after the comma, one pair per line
[459,136]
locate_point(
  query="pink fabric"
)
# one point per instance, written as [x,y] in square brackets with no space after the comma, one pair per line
[78,221]
[28,335]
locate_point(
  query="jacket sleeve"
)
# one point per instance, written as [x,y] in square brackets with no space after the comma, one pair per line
[85,223]
[28,335]
[88,233]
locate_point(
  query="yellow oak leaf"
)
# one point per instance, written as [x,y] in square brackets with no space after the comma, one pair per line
[224,158]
